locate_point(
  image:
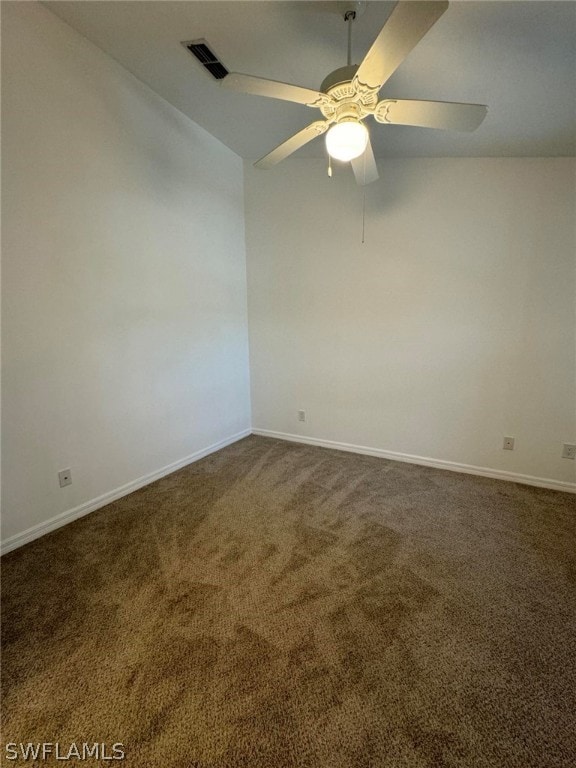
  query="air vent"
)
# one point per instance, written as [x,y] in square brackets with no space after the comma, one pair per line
[201,50]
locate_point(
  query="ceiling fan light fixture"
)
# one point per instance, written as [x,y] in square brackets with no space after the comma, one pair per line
[347,140]
[349,94]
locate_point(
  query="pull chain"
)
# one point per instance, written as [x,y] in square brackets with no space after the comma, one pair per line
[364,197]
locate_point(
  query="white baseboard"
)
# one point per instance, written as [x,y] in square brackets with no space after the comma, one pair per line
[19,539]
[469,469]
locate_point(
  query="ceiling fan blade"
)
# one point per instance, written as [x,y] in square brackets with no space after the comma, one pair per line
[258,86]
[431,114]
[364,167]
[405,27]
[292,144]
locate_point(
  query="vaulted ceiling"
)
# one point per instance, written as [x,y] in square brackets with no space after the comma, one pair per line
[519,58]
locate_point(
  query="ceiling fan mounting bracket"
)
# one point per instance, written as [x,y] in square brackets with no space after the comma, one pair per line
[352,10]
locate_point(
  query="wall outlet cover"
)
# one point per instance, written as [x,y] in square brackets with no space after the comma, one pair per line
[301,415]
[569,451]
[65,477]
[508,444]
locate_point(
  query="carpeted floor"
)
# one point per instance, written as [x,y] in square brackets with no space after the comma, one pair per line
[279,605]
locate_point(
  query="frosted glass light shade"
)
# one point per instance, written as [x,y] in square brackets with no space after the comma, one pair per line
[345,141]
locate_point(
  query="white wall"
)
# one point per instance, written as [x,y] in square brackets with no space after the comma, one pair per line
[124,287]
[451,327]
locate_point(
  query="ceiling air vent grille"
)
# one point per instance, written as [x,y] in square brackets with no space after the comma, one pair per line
[201,50]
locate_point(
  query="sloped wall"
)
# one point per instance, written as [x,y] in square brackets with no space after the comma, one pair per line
[124,289]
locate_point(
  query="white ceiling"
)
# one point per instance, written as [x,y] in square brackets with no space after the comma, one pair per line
[519,58]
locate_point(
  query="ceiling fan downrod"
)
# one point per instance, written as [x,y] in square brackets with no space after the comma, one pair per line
[349,17]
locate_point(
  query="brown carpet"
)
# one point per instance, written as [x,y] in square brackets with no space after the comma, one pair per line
[279,605]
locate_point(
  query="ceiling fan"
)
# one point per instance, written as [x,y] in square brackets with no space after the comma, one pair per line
[349,95]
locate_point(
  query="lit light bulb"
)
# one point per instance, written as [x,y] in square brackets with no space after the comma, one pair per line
[346,140]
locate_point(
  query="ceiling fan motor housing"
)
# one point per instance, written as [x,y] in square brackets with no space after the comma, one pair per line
[347,112]
[346,101]
[340,76]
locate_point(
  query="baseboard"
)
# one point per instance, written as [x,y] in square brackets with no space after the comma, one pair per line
[469,469]
[19,539]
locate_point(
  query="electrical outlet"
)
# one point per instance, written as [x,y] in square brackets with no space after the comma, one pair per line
[65,477]
[301,415]
[508,444]
[569,451]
